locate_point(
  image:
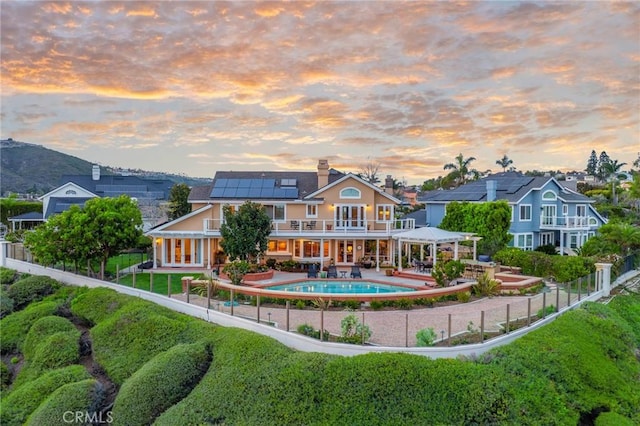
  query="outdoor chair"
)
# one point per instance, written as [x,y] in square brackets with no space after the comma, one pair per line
[332,272]
[295,225]
[312,272]
[355,272]
[311,224]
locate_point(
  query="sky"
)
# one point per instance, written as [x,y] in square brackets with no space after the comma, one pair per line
[196,87]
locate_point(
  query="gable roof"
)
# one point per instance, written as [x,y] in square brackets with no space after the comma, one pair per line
[60,204]
[116,185]
[510,186]
[359,179]
[261,185]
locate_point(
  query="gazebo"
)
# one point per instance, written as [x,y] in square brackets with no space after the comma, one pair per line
[433,236]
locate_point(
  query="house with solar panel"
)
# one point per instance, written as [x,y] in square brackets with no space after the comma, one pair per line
[151,195]
[318,216]
[542,210]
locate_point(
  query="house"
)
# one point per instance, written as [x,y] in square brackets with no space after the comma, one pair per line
[321,216]
[542,210]
[150,194]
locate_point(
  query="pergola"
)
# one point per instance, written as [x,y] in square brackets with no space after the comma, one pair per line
[433,236]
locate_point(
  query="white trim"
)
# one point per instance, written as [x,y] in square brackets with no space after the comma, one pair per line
[350,197]
[555,195]
[178,220]
[520,218]
[313,214]
[525,235]
[357,178]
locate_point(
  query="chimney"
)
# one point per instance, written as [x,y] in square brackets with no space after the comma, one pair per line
[323,173]
[388,185]
[95,172]
[492,186]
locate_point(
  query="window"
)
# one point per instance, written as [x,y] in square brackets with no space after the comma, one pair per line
[70,192]
[384,212]
[565,209]
[549,195]
[581,210]
[278,212]
[525,213]
[350,193]
[546,238]
[310,249]
[312,210]
[278,246]
[523,241]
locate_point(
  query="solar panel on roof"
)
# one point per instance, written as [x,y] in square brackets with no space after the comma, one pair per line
[242,192]
[217,192]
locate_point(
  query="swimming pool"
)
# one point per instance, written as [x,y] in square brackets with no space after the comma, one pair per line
[340,287]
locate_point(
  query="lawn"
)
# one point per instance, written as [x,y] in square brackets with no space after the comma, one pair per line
[160,281]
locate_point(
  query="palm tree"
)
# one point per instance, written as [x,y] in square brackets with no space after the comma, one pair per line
[460,169]
[611,169]
[504,162]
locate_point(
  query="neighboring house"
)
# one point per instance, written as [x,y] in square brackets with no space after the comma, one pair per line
[324,216]
[542,210]
[151,194]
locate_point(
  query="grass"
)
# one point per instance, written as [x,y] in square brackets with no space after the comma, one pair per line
[160,281]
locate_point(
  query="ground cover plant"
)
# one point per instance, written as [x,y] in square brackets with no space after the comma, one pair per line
[579,368]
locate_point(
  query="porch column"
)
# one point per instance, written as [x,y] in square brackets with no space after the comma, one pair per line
[399,255]
[155,265]
[455,250]
[561,243]
[377,255]
[208,253]
[434,247]
[321,253]
[475,248]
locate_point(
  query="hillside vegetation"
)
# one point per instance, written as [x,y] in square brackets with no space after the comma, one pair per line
[173,369]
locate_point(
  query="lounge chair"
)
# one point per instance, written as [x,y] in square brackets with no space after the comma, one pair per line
[312,272]
[295,225]
[332,272]
[355,272]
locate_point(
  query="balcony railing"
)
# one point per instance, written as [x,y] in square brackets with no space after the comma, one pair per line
[326,227]
[567,222]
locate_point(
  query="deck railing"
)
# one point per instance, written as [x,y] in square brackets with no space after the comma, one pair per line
[326,227]
[569,222]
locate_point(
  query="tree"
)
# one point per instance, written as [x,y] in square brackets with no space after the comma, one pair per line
[460,169]
[604,159]
[179,201]
[490,220]
[245,232]
[103,228]
[370,173]
[610,171]
[592,164]
[504,162]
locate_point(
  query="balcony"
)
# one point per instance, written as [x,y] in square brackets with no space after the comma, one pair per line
[568,223]
[325,228]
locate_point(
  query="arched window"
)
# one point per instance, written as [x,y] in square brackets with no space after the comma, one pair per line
[352,193]
[549,195]
[70,192]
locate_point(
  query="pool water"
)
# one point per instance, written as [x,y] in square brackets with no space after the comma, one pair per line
[340,287]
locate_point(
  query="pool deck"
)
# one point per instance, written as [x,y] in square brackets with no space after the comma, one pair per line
[390,327]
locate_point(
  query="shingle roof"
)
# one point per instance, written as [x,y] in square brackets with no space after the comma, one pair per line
[115,185]
[59,204]
[511,186]
[27,216]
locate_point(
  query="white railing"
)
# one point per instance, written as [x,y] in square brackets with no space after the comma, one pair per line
[326,227]
[570,222]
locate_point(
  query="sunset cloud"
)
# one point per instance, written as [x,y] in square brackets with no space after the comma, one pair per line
[204,86]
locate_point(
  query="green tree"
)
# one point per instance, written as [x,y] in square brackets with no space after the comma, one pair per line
[602,161]
[179,201]
[245,232]
[490,220]
[504,162]
[101,229]
[610,172]
[460,170]
[592,163]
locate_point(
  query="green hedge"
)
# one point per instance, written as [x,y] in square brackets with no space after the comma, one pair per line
[66,401]
[7,276]
[41,329]
[21,402]
[98,304]
[161,383]
[133,335]
[534,263]
[31,289]
[15,326]
[55,351]
[6,303]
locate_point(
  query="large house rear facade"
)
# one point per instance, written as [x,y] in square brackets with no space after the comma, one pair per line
[542,210]
[322,216]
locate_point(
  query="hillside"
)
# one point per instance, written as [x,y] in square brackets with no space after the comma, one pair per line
[26,167]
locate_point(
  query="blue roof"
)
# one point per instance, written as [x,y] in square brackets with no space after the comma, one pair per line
[115,185]
[59,204]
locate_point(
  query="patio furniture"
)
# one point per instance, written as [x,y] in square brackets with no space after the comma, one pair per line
[332,272]
[343,274]
[312,272]
[295,225]
[311,224]
[355,272]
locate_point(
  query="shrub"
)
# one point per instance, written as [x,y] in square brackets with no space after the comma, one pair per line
[15,326]
[486,287]
[134,334]
[5,376]
[464,296]
[403,303]
[7,276]
[6,303]
[353,330]
[548,310]
[613,419]
[160,383]
[21,402]
[569,268]
[40,330]
[547,249]
[31,289]
[271,263]
[376,305]
[83,396]
[300,304]
[55,351]
[308,330]
[351,305]
[426,337]
[446,271]
[98,304]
